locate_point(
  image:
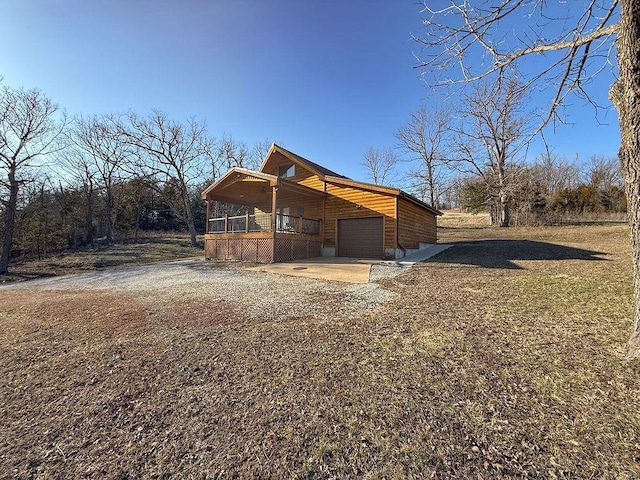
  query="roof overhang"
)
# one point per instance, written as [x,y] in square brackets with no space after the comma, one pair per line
[240,186]
[420,203]
[277,154]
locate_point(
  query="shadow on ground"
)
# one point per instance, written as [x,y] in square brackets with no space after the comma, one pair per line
[503,253]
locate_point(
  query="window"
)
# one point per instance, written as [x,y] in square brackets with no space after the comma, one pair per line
[283,219]
[286,171]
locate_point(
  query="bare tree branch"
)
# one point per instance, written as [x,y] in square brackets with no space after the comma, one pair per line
[380,165]
[464,31]
[423,138]
[29,132]
[173,154]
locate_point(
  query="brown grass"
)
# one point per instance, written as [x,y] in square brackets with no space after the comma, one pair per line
[461,219]
[503,358]
[147,250]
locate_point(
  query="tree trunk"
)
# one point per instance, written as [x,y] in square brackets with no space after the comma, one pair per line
[9,221]
[625,95]
[504,209]
[188,215]
[89,239]
[109,216]
[432,186]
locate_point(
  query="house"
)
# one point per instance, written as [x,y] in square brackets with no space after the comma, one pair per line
[302,210]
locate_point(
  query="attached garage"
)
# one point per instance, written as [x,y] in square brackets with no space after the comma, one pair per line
[361,237]
[303,209]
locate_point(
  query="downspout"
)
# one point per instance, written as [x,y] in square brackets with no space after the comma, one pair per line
[404,252]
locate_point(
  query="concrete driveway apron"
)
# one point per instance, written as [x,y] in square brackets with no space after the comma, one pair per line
[341,269]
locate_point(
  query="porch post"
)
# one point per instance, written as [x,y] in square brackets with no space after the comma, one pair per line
[246,223]
[206,223]
[274,202]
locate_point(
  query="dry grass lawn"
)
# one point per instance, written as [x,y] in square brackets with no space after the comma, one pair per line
[154,248]
[503,357]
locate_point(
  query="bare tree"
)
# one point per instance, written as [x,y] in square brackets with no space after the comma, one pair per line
[258,153]
[28,133]
[492,132]
[172,155]
[229,153]
[80,171]
[380,165]
[555,173]
[570,51]
[424,138]
[102,153]
[604,172]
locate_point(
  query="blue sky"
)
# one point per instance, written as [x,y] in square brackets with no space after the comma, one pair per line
[326,79]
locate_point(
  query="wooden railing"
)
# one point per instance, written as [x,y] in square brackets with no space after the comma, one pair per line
[261,222]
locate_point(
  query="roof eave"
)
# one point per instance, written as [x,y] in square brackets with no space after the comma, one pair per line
[420,203]
[237,170]
[363,185]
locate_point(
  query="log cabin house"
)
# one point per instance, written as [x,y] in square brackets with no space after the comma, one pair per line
[302,210]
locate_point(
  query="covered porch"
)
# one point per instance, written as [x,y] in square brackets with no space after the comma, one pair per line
[285,224]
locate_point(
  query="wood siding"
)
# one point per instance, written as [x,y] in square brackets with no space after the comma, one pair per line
[416,225]
[342,202]
[404,223]
[311,207]
[302,176]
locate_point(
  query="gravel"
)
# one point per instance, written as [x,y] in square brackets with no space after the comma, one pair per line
[258,295]
[381,271]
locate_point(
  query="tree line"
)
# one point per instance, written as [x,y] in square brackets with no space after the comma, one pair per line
[562,49]
[66,182]
[69,181]
[472,154]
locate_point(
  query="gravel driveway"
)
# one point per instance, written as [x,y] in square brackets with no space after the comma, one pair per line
[258,295]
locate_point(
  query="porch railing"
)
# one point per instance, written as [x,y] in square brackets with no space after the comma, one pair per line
[261,222]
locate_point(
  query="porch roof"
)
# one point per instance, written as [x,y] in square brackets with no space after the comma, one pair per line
[241,186]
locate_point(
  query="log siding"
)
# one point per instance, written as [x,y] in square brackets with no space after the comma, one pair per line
[407,221]
[415,225]
[350,202]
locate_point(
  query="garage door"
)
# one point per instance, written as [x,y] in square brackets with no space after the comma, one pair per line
[360,237]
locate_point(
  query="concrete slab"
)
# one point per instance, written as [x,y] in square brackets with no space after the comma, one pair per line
[341,269]
[422,255]
[344,269]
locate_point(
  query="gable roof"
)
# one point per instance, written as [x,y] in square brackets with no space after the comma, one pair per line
[240,172]
[323,173]
[318,170]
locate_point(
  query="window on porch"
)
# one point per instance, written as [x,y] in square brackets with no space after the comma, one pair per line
[261,222]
